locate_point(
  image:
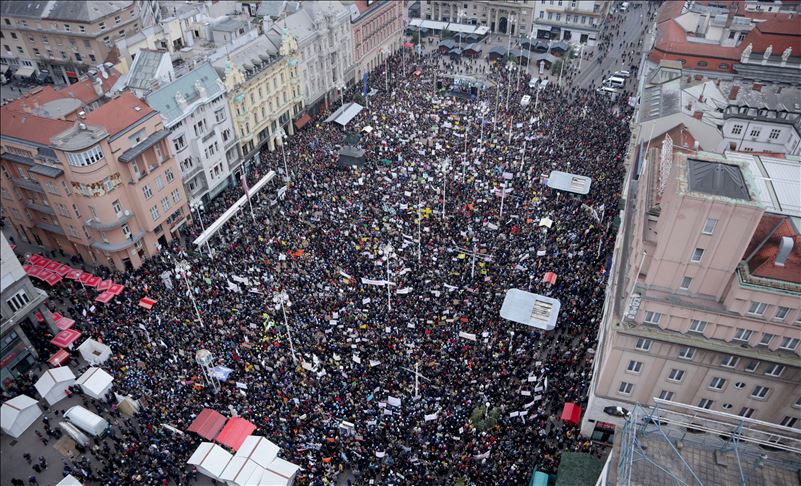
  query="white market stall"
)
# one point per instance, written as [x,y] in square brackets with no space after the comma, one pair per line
[280,473]
[94,352]
[17,414]
[345,114]
[258,449]
[239,472]
[95,382]
[69,480]
[210,459]
[53,384]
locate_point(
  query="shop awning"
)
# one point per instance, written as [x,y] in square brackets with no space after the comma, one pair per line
[52,278]
[302,121]
[105,297]
[103,285]
[207,424]
[25,71]
[65,339]
[116,289]
[571,413]
[58,358]
[345,114]
[64,323]
[92,281]
[235,432]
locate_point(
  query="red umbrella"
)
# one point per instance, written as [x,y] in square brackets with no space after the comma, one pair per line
[146,302]
[571,413]
[64,323]
[53,266]
[58,357]
[84,277]
[56,316]
[92,281]
[104,297]
[42,262]
[53,278]
[34,271]
[73,274]
[65,339]
[33,259]
[104,285]
[116,289]
[62,269]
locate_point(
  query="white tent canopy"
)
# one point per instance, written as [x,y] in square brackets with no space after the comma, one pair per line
[280,473]
[258,449]
[210,459]
[345,114]
[94,352]
[95,382]
[69,480]
[239,471]
[54,382]
[17,414]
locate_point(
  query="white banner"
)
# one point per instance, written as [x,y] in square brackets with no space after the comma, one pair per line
[369,281]
[467,335]
[431,417]
[404,291]
[395,402]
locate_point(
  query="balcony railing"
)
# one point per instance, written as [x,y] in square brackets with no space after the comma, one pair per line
[96,225]
[28,184]
[40,207]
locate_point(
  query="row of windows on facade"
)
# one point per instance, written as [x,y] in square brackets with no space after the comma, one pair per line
[741,334]
[57,26]
[774,134]
[74,45]
[728,361]
[676,375]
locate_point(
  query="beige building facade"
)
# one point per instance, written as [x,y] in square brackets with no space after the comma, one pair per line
[67,38]
[377,34]
[710,313]
[101,183]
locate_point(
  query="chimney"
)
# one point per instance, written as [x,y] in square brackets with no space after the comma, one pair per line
[757,87]
[698,115]
[98,86]
[785,247]
[779,89]
[733,93]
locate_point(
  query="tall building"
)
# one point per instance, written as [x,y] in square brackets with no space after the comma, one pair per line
[577,21]
[96,180]
[322,31]
[710,312]
[67,37]
[263,84]
[377,33]
[19,302]
[195,110]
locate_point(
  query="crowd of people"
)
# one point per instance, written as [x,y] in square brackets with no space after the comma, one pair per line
[445,179]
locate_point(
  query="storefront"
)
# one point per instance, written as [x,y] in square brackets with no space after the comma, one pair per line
[16,358]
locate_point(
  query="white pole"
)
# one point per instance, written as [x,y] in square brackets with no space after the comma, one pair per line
[536,99]
[473,264]
[523,157]
[511,121]
[288,331]
[503,196]
[443,193]
[416,380]
[511,339]
[419,223]
[283,152]
[389,297]
[203,227]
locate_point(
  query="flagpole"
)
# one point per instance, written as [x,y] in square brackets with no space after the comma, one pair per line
[247,194]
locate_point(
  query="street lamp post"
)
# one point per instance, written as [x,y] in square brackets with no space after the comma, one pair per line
[282,135]
[281,299]
[182,268]
[198,207]
[388,251]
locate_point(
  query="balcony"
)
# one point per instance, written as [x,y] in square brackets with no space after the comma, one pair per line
[37,299]
[207,136]
[40,207]
[96,225]
[196,167]
[28,184]
[124,245]
[142,146]
[51,228]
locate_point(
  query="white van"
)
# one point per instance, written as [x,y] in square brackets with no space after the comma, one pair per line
[615,82]
[606,90]
[87,421]
[533,83]
[624,6]
[525,100]
[543,84]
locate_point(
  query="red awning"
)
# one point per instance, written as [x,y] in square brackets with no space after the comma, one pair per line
[52,279]
[64,339]
[235,432]
[34,271]
[104,297]
[58,357]
[92,281]
[64,323]
[56,316]
[146,302]
[104,285]
[62,269]
[53,266]
[33,259]
[116,289]
[302,121]
[73,274]
[42,262]
[207,424]
[408,45]
[571,413]
[85,277]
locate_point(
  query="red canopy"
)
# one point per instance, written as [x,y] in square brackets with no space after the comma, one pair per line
[408,45]
[58,357]
[571,413]
[56,315]
[73,274]
[33,259]
[116,289]
[146,302]
[104,285]
[64,323]
[52,279]
[34,271]
[42,262]
[207,424]
[62,269]
[64,339]
[92,281]
[104,297]
[235,432]
[53,266]
[39,316]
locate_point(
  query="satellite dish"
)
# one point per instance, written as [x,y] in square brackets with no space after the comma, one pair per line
[104,73]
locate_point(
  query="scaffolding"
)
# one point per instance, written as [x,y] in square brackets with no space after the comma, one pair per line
[674,443]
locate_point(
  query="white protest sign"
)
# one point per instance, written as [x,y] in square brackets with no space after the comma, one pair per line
[395,402]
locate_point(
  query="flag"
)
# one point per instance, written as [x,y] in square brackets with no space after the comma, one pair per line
[245,186]
[364,85]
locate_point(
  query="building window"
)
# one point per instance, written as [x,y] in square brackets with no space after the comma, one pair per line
[723,66]
[774,370]
[154,213]
[219,115]
[169,175]
[717,383]
[789,421]
[165,204]
[66,27]
[755,132]
[86,158]
[685,283]
[643,344]
[702,63]
[179,143]
[687,353]
[747,412]
[760,392]
[17,301]
[126,231]
[698,254]
[757,308]
[789,343]
[766,339]
[108,184]
[739,385]
[743,334]
[148,193]
[159,183]
[736,129]
[730,361]
[652,317]
[710,225]
[698,326]
[705,403]
[781,313]
[676,375]
[752,366]
[666,395]
[625,388]
[634,366]
[176,196]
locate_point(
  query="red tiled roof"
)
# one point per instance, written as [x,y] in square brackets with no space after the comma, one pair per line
[781,33]
[361,5]
[82,90]
[672,38]
[764,247]
[119,113]
[25,126]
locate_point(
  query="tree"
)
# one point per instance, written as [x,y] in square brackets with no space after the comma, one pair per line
[482,420]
